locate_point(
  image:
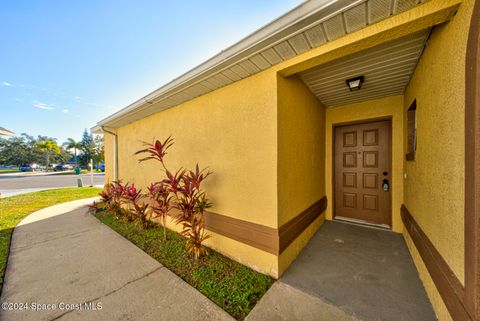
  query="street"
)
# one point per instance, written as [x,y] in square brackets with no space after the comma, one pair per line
[13,184]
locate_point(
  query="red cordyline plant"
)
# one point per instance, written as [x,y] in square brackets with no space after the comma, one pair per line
[192,203]
[185,187]
[111,196]
[106,194]
[138,207]
[156,151]
[93,208]
[162,203]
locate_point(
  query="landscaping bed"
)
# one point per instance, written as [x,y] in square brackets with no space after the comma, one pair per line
[13,209]
[231,285]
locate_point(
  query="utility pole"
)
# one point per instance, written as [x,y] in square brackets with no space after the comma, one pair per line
[91,172]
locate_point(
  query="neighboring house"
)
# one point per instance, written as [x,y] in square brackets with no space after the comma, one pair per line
[291,144]
[5,132]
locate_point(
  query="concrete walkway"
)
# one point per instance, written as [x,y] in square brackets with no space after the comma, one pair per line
[64,257]
[348,273]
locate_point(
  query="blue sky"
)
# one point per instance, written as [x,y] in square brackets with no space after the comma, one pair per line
[64,65]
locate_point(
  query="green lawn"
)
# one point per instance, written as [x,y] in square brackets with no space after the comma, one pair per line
[9,170]
[14,209]
[231,285]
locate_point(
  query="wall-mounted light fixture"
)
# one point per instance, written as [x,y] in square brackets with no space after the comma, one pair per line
[355,83]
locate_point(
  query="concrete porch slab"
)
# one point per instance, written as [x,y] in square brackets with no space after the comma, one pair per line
[349,272]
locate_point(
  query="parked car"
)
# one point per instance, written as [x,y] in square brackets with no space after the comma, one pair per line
[60,168]
[30,168]
[100,167]
[26,168]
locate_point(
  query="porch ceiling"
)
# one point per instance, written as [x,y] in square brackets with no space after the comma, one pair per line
[387,69]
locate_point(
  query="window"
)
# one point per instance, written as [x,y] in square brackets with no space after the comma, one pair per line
[412,131]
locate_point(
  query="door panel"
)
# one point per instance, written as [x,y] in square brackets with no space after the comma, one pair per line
[362,163]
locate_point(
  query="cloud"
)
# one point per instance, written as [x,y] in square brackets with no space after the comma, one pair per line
[6,83]
[65,110]
[18,99]
[41,105]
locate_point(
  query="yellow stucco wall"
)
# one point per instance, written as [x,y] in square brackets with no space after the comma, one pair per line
[233,131]
[293,250]
[301,158]
[384,108]
[437,302]
[245,131]
[301,148]
[434,187]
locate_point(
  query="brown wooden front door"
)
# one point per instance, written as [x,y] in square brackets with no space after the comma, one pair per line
[362,168]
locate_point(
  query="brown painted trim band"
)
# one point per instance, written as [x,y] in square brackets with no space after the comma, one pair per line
[289,231]
[259,236]
[263,237]
[472,165]
[449,287]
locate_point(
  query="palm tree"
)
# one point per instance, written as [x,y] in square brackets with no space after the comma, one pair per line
[48,147]
[72,143]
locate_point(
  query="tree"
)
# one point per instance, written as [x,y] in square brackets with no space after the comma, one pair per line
[99,151]
[87,147]
[62,157]
[18,150]
[48,147]
[71,143]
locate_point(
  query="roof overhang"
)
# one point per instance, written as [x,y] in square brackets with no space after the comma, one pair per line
[97,129]
[310,25]
[6,132]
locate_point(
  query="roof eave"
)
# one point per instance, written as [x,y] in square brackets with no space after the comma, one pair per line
[290,18]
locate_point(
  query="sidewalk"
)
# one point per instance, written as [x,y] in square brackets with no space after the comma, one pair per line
[65,257]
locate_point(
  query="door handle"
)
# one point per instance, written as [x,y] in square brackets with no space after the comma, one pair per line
[385,185]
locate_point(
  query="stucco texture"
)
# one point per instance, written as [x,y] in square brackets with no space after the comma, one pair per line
[301,148]
[437,302]
[434,187]
[378,109]
[233,131]
[301,158]
[269,141]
